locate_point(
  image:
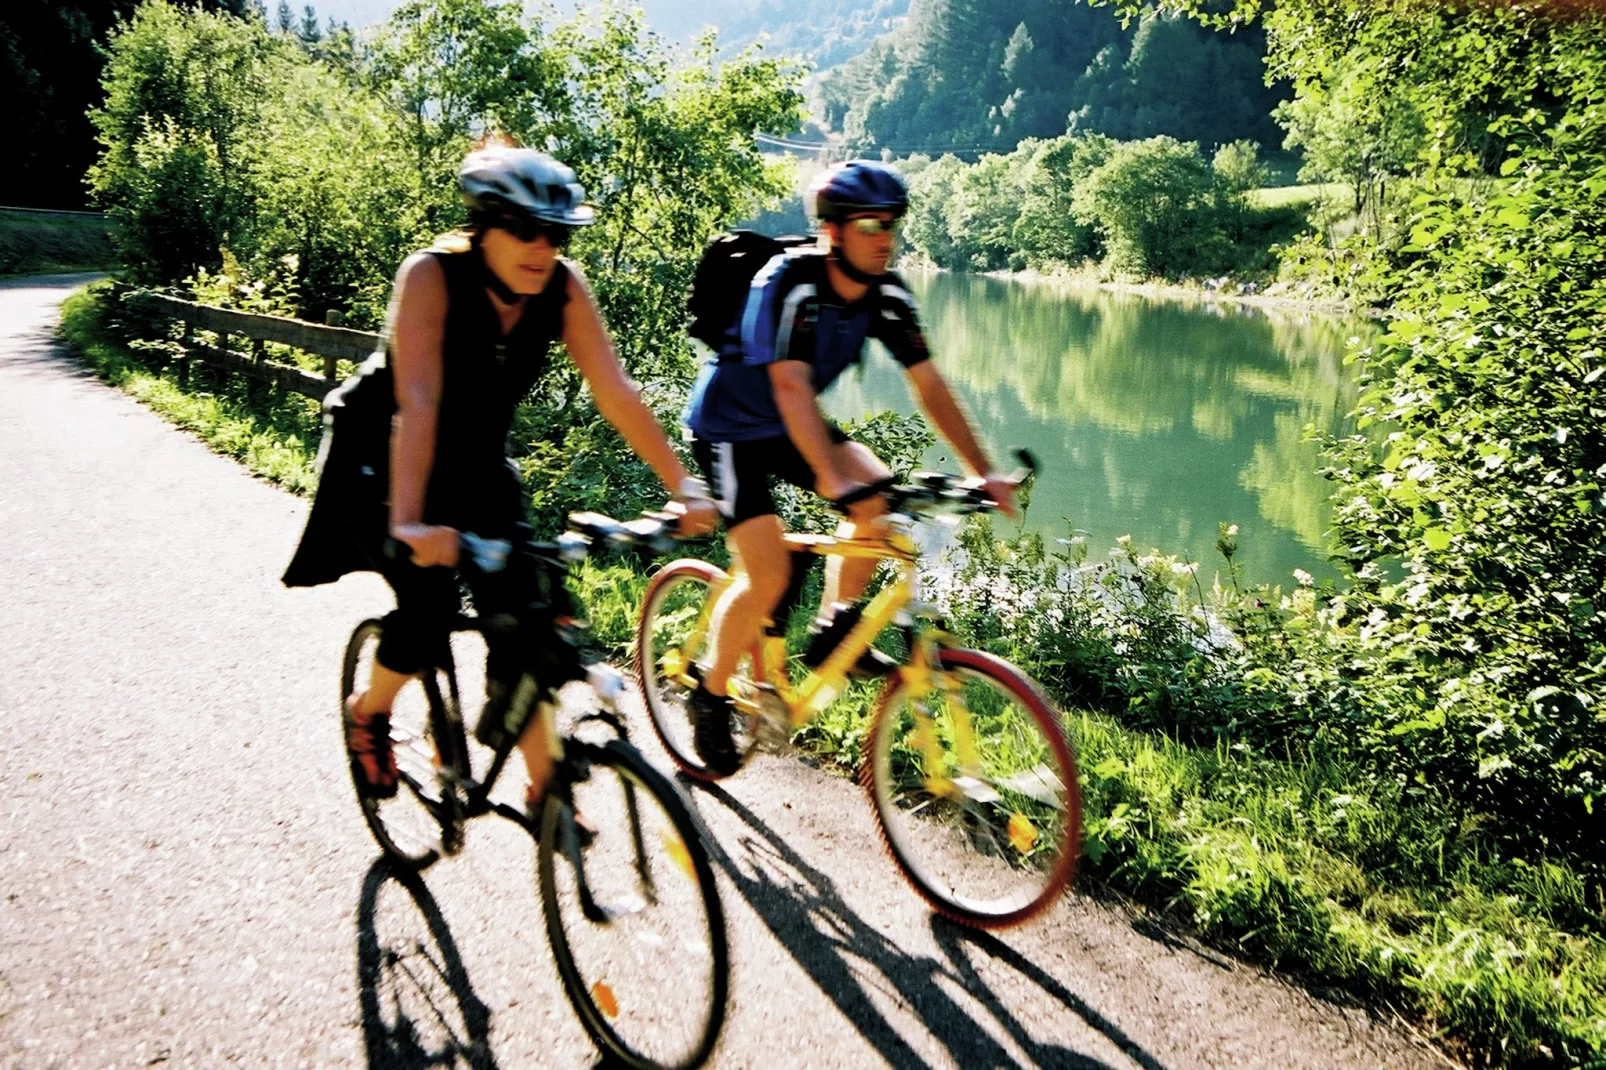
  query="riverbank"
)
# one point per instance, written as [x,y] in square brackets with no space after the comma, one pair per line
[1222,290]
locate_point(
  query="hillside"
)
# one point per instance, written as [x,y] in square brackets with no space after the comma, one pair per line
[969,74]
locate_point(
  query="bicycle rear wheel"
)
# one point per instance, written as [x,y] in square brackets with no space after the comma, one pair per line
[409,826]
[671,641]
[975,789]
[634,916]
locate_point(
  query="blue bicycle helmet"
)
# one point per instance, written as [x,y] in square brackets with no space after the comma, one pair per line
[857,186]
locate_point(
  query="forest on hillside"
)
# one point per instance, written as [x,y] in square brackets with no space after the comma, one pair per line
[970,75]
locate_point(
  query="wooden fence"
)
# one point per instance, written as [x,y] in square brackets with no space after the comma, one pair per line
[332,343]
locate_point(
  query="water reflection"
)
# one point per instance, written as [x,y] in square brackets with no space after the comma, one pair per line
[1152,418]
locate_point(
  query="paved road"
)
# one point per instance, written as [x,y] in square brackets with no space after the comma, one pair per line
[186,881]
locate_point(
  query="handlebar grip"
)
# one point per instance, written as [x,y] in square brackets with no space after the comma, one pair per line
[863,492]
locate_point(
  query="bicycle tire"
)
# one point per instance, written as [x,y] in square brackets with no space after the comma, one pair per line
[985,862]
[665,700]
[408,827]
[666,959]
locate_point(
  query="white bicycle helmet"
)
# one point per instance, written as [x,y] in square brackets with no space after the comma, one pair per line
[498,180]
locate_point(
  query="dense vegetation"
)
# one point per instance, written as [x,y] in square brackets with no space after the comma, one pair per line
[1395,785]
[971,75]
[1156,207]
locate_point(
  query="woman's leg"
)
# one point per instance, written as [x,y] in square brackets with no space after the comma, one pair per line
[413,638]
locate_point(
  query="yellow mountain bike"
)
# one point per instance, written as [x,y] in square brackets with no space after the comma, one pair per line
[966,763]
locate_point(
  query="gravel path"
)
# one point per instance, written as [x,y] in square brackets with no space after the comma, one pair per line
[186,881]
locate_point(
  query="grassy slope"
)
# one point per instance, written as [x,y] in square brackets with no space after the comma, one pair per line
[31,244]
[1289,860]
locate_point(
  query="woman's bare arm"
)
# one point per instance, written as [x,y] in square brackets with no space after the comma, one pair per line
[417,330]
[620,404]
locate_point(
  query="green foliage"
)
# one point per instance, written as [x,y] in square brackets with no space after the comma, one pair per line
[1047,231]
[1356,130]
[49,79]
[1178,79]
[178,132]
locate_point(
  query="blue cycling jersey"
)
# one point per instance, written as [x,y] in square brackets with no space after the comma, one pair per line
[792,313]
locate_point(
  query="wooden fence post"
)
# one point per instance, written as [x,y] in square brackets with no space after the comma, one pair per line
[184,355]
[256,386]
[331,366]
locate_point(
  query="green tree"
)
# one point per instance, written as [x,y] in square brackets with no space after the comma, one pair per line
[179,129]
[50,66]
[931,191]
[1150,201]
[1047,231]
[454,70]
[981,214]
[1357,129]
[1238,172]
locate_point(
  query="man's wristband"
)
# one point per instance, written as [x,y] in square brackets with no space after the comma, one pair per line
[691,489]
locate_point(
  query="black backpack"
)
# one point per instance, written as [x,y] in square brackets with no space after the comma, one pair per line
[724,276]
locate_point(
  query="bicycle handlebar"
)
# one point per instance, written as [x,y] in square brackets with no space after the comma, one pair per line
[652,532]
[938,491]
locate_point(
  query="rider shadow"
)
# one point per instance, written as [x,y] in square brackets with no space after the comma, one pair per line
[823,935]
[418,1008]
[953,939]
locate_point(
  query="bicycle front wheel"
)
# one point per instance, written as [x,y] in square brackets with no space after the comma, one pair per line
[632,910]
[975,789]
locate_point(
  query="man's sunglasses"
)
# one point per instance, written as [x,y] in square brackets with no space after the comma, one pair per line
[872,226]
[526,229]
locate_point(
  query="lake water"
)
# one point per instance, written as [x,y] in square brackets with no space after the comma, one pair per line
[1151,418]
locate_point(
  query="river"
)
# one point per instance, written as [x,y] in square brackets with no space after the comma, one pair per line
[1154,418]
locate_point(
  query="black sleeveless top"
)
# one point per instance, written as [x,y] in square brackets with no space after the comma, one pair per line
[472,484]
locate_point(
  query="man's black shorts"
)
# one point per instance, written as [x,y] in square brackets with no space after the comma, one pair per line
[739,473]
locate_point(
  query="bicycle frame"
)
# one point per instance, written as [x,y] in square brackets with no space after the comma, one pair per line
[921,673]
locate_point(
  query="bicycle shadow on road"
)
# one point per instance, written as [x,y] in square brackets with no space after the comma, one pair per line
[418,1007]
[824,936]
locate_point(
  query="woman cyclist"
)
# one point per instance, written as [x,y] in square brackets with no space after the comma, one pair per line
[414,448]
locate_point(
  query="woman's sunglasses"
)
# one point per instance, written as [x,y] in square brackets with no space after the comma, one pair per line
[872,226]
[526,229]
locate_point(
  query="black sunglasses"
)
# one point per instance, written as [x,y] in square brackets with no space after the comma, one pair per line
[526,229]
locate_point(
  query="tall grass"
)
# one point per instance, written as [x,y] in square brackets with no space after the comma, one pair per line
[275,436]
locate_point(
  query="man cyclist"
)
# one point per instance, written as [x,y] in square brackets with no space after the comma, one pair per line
[415,445]
[754,417]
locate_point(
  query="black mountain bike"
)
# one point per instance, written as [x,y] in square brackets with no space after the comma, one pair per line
[631,907]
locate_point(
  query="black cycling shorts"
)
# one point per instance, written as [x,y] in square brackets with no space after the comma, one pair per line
[739,474]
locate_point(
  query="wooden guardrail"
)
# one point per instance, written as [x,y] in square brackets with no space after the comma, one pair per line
[332,343]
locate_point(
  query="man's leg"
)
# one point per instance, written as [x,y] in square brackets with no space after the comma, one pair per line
[761,566]
[846,578]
